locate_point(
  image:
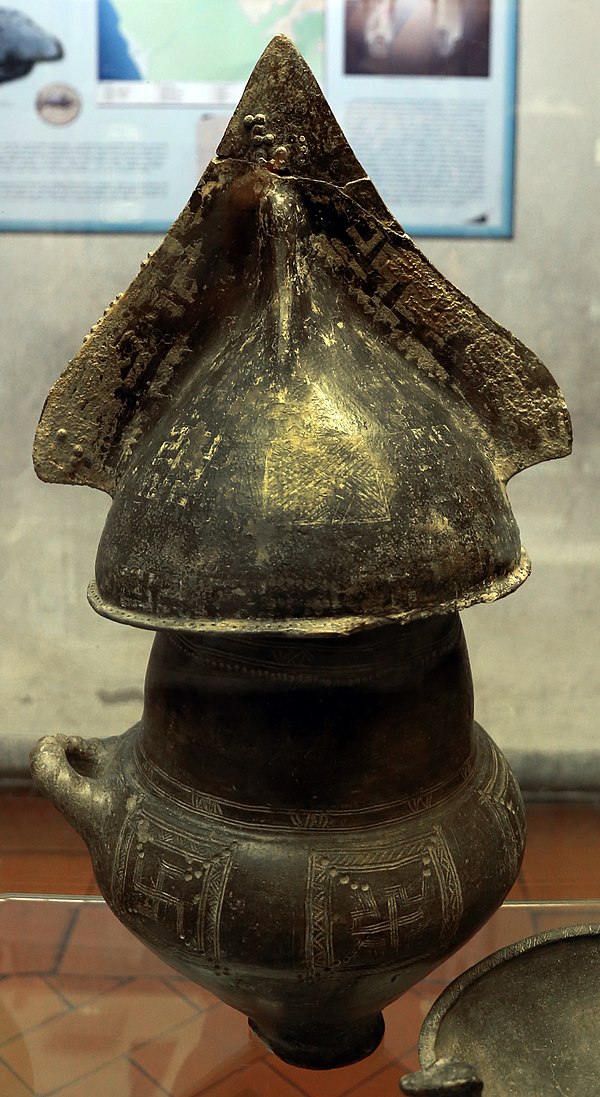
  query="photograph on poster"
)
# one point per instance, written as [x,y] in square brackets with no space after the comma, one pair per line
[22,44]
[418,37]
[113,108]
[424,90]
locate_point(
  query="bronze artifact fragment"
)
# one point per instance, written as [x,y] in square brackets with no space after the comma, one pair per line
[307,433]
[526,1017]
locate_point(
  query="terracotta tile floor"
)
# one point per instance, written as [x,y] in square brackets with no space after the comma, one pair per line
[85,1010]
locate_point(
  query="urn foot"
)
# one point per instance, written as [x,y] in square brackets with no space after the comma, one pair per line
[323,1047]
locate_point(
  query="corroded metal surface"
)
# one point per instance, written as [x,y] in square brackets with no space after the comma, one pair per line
[300,419]
[525,1017]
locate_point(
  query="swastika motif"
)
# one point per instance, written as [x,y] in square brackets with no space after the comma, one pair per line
[367,902]
[175,881]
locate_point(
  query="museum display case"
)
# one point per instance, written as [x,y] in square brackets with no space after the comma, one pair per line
[345,624]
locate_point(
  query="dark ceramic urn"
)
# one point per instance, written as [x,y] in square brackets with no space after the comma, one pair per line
[307,433]
[305,826]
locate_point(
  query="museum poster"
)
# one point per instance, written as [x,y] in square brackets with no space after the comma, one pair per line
[111,109]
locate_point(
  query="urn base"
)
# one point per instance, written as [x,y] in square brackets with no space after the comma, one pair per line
[324,1047]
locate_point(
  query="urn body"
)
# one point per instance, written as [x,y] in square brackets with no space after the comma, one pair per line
[305,827]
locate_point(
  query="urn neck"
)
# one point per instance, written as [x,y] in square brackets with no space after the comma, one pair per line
[329,724]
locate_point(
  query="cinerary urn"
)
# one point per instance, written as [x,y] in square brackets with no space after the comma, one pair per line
[307,434]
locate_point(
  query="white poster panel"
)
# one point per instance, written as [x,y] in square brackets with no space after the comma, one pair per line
[111,109]
[424,90]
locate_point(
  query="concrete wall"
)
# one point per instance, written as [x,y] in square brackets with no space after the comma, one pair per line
[535,654]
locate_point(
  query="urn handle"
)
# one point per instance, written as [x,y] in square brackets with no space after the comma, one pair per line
[69,771]
[446,1076]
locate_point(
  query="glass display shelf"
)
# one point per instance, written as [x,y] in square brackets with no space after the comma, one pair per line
[87,1011]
